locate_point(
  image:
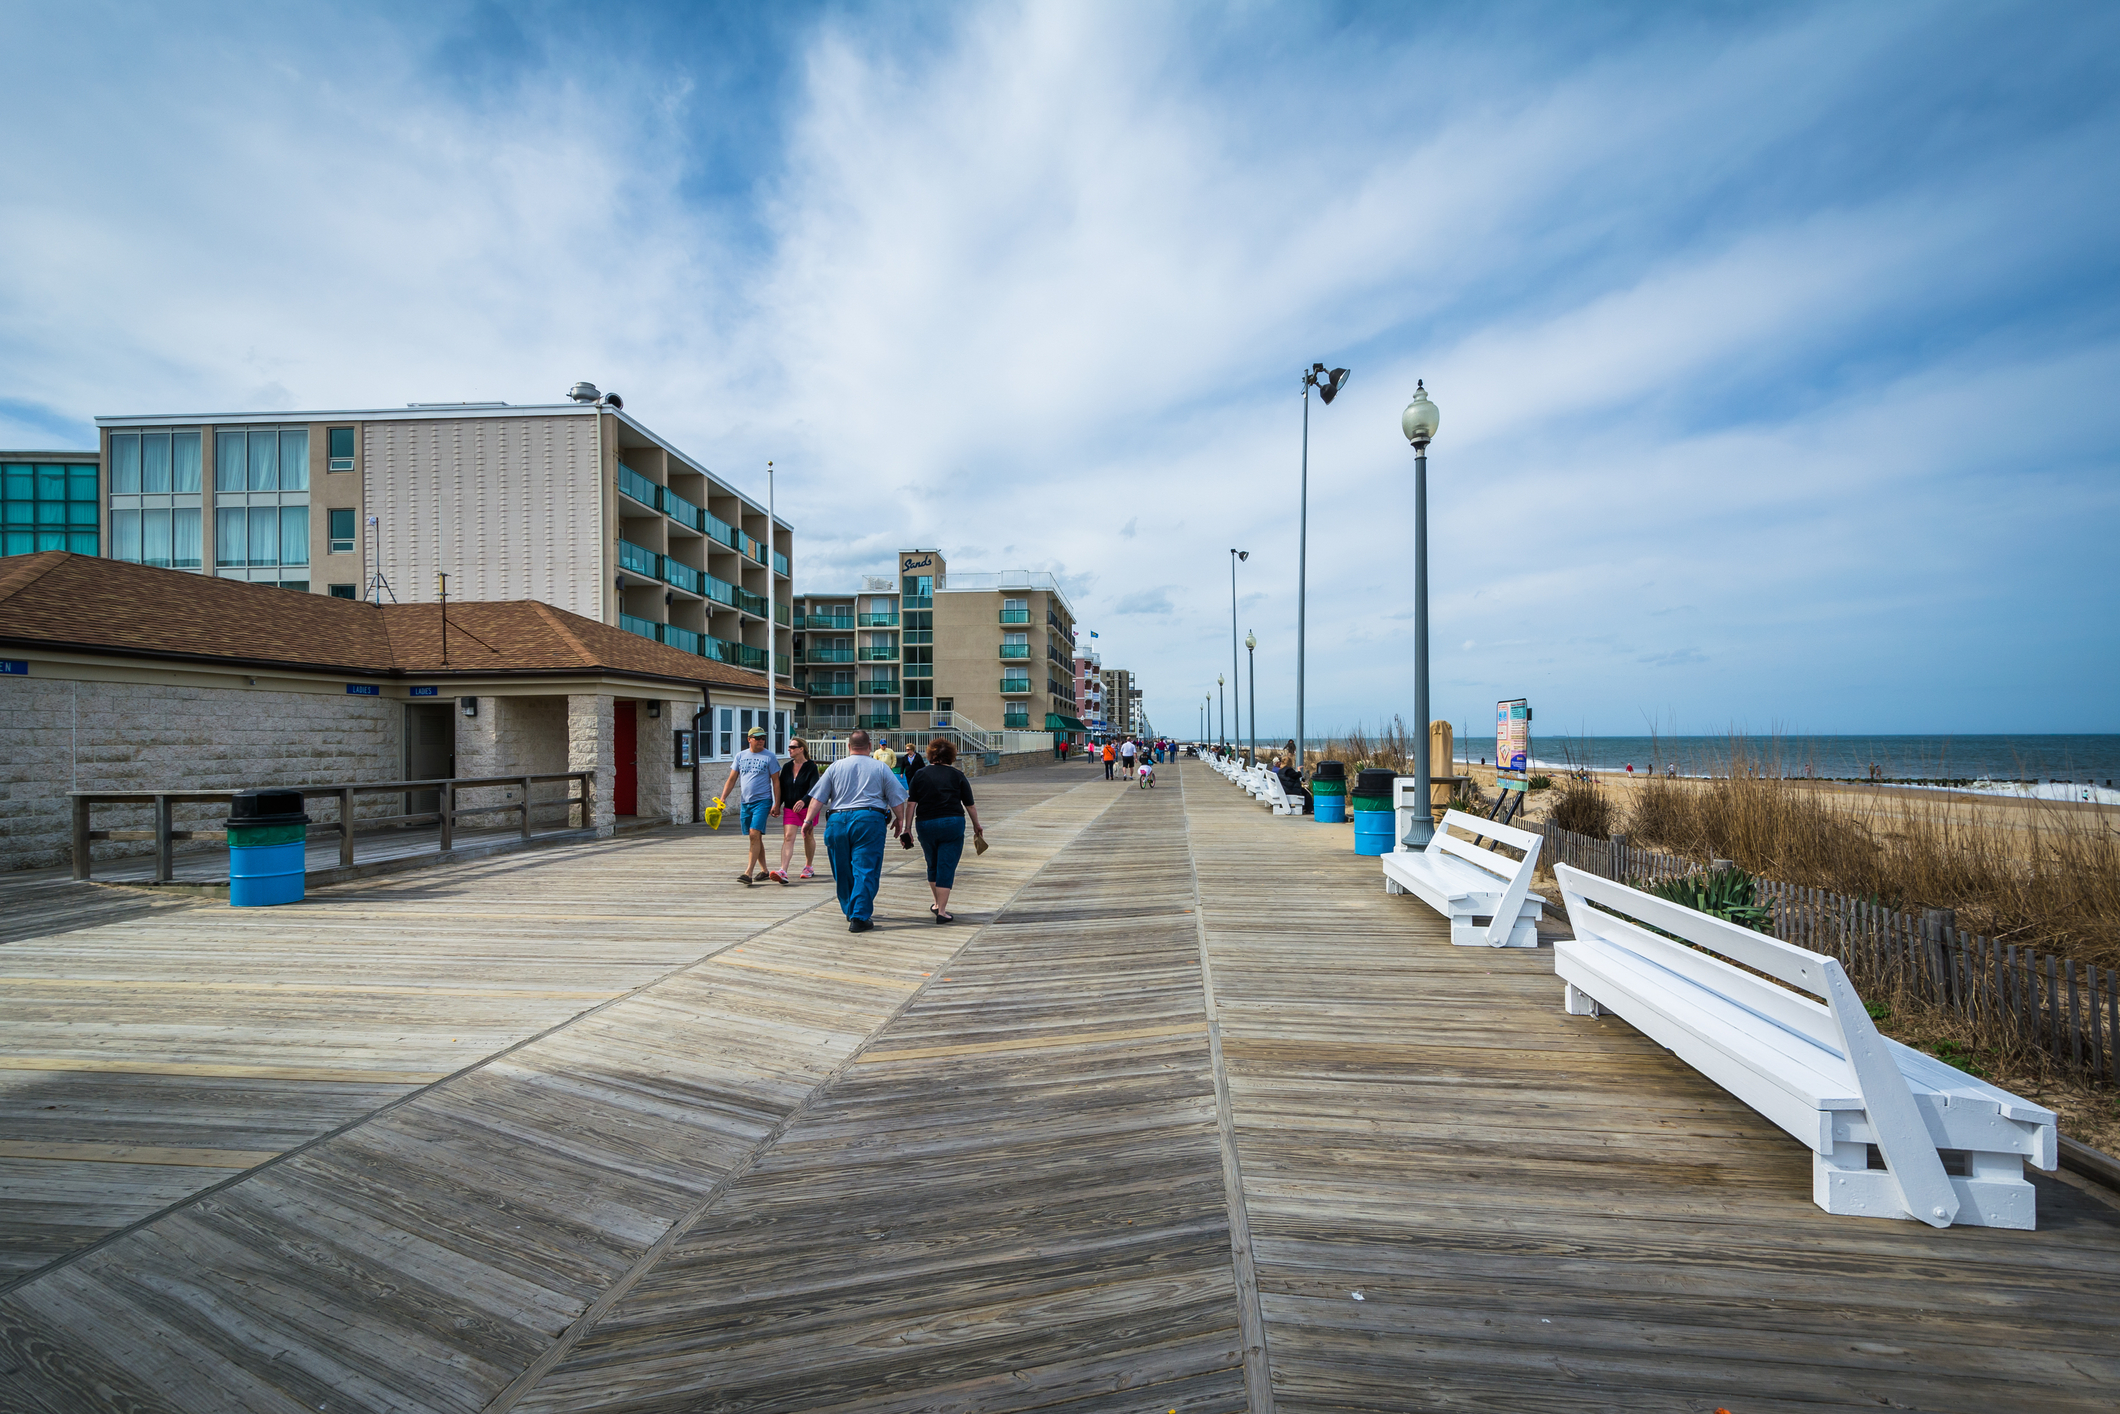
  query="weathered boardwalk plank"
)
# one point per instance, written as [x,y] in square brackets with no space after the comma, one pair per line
[592,1129]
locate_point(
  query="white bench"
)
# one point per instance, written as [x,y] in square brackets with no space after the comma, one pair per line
[1953,1147]
[1277,799]
[1465,882]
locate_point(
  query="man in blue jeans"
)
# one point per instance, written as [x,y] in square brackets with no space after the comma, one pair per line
[758,797]
[864,802]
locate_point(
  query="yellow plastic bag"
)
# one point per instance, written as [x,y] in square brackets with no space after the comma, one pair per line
[712,814]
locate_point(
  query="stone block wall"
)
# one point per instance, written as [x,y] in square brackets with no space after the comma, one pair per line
[514,736]
[589,717]
[58,735]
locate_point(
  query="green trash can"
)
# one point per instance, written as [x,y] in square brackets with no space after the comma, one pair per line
[268,841]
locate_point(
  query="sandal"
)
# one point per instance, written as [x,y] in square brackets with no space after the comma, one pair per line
[945,917]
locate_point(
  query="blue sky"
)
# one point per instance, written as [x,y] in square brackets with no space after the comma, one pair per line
[1775,345]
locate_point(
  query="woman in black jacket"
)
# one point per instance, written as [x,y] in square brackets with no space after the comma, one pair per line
[797,779]
[942,798]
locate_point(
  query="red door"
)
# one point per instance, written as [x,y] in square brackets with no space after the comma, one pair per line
[625,773]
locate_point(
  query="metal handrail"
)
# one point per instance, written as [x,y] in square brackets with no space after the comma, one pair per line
[346,827]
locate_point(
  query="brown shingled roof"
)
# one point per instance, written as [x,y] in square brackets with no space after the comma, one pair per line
[63,600]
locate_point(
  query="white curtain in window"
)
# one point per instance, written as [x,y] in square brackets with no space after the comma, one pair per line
[154,538]
[294,535]
[184,551]
[264,461]
[264,532]
[231,547]
[228,459]
[154,462]
[125,464]
[294,459]
[125,533]
[185,447]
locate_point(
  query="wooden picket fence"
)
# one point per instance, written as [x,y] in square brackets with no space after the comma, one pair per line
[2069,1010]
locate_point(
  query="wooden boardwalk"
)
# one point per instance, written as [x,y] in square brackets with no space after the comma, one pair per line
[1184,1113]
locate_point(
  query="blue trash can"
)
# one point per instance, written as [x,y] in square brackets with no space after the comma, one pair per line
[1374,819]
[268,840]
[1328,793]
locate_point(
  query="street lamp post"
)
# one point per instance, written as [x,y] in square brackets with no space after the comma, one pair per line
[1234,556]
[1222,710]
[1328,386]
[1419,422]
[1251,661]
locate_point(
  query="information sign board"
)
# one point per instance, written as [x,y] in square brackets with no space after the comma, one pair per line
[1512,735]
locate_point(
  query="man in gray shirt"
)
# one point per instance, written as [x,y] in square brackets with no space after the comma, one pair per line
[863,800]
[759,771]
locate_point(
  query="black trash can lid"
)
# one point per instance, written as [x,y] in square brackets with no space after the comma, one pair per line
[1374,782]
[267,806]
[1329,771]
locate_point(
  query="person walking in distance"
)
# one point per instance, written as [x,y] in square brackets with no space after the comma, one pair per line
[1126,756]
[1111,754]
[759,772]
[797,779]
[942,798]
[861,800]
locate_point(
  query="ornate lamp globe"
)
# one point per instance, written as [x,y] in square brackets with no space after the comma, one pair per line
[1251,640]
[1420,419]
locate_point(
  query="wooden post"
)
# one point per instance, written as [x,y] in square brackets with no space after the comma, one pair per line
[345,794]
[2098,1066]
[165,863]
[2075,1030]
[526,807]
[81,846]
[448,810]
[2053,1005]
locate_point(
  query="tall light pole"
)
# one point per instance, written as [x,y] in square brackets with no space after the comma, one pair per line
[1203,719]
[1222,710]
[1234,556]
[1419,422]
[772,627]
[1251,660]
[1328,386]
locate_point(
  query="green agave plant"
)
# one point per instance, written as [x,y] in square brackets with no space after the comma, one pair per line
[1725,893]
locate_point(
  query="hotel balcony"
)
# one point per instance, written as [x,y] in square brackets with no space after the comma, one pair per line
[1015,687]
[1015,650]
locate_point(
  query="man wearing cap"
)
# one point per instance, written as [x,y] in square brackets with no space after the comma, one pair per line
[758,770]
[863,800]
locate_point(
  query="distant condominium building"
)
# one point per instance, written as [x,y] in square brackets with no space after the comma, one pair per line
[1089,691]
[50,501]
[575,504]
[925,648]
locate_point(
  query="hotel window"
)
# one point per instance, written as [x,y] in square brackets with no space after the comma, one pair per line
[261,502]
[155,502]
[341,522]
[47,507]
[345,591]
[339,448]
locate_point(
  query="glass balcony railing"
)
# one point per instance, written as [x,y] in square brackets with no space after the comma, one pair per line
[646,628]
[829,655]
[879,655]
[1015,687]
[681,638]
[683,512]
[1016,722]
[1015,616]
[681,575]
[1015,650]
[780,563]
[781,615]
[870,721]
[719,590]
[880,687]
[829,620]
[638,487]
[719,649]
[879,620]
[638,560]
[781,665]
[831,689]
[751,603]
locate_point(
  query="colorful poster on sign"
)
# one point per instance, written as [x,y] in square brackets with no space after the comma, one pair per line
[1512,734]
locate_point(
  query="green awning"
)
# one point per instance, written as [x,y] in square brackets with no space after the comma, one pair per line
[1054,722]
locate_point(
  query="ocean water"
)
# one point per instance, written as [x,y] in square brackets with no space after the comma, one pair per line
[2075,759]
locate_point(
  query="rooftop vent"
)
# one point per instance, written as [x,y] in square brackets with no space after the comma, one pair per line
[584,393]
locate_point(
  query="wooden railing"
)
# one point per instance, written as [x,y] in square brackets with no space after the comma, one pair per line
[2066,1008]
[445,815]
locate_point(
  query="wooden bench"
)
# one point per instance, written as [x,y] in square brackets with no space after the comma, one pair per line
[1467,883]
[1952,1147]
